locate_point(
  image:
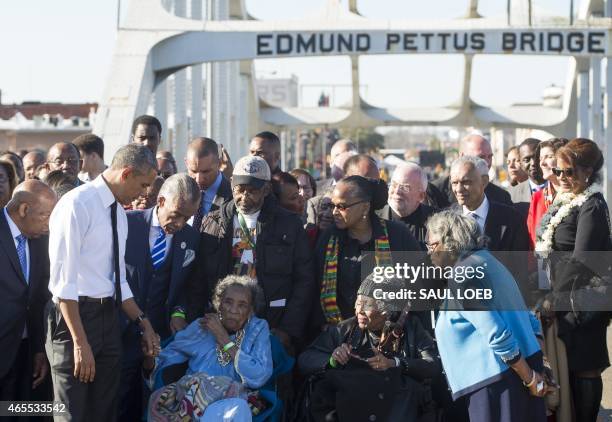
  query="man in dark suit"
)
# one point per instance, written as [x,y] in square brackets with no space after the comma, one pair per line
[476,146]
[203,165]
[521,194]
[503,225]
[160,255]
[24,259]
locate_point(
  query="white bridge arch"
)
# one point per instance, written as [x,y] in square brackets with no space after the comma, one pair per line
[153,44]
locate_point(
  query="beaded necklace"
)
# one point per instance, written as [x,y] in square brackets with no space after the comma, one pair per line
[224,357]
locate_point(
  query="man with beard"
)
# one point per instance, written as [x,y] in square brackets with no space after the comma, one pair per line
[407,192]
[251,235]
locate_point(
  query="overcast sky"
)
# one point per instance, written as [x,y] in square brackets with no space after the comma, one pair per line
[60,50]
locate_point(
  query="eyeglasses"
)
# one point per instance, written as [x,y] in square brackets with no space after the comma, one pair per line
[344,207]
[569,172]
[401,187]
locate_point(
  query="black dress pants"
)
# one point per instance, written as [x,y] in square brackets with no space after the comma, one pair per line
[97,400]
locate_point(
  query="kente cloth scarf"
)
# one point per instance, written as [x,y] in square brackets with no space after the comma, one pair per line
[329,284]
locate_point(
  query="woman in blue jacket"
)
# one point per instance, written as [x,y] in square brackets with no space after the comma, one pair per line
[488,343]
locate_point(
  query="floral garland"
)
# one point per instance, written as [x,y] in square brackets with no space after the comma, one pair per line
[561,207]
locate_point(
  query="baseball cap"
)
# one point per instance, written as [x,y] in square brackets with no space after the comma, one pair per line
[251,170]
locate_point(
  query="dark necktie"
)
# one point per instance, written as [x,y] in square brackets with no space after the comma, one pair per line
[199,216]
[116,254]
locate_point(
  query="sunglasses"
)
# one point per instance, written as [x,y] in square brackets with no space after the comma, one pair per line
[344,207]
[569,172]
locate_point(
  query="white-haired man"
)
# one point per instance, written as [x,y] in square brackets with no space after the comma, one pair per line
[160,256]
[504,226]
[407,192]
[477,146]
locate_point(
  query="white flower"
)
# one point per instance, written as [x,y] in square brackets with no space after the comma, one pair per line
[569,201]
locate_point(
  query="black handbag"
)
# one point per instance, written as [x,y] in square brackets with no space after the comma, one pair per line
[590,301]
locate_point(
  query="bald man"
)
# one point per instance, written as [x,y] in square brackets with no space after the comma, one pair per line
[24,259]
[339,147]
[407,193]
[477,146]
[203,165]
[361,165]
[65,156]
[31,163]
[337,171]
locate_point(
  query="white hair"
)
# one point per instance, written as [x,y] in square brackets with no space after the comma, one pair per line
[411,166]
[475,162]
[180,187]
[458,233]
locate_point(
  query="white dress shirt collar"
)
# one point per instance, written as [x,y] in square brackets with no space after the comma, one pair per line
[15,232]
[533,187]
[14,229]
[154,219]
[106,195]
[482,211]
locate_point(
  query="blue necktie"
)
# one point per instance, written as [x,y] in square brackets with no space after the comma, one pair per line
[21,253]
[158,253]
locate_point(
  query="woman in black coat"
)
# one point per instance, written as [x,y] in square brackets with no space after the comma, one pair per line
[357,241]
[577,247]
[366,370]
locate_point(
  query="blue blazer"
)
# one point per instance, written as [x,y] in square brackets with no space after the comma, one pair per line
[474,344]
[139,267]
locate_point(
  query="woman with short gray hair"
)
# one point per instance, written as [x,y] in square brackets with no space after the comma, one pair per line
[504,381]
[459,234]
[248,283]
[227,353]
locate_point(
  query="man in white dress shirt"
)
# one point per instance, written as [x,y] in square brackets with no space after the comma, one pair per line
[88,231]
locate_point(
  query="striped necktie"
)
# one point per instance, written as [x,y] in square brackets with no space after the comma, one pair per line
[158,253]
[21,253]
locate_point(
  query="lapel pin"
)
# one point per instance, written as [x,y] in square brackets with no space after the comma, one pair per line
[183,245]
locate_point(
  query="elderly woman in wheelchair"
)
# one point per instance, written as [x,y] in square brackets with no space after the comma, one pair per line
[221,359]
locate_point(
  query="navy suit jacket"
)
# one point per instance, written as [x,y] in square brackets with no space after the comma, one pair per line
[21,304]
[139,267]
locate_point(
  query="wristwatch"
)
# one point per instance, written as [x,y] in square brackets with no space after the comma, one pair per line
[140,318]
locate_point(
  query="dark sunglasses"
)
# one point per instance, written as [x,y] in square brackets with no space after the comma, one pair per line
[569,172]
[344,207]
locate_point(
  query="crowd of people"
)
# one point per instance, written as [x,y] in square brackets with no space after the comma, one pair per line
[239,291]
